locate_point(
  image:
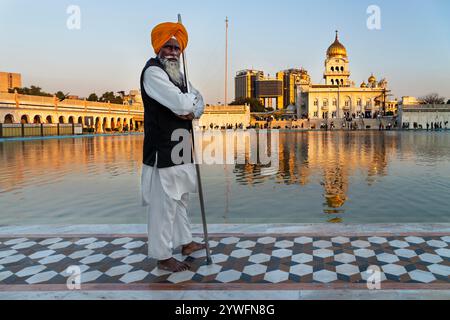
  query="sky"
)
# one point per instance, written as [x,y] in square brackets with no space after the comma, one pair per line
[108,52]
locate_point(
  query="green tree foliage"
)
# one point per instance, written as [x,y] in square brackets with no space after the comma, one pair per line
[32,91]
[255,104]
[92,97]
[111,97]
[37,91]
[60,95]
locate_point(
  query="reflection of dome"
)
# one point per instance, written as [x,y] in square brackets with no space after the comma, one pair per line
[337,49]
[363,85]
[335,201]
[372,79]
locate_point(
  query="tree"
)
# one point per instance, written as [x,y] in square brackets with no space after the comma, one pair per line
[255,104]
[32,91]
[448,102]
[109,96]
[92,97]
[432,98]
[61,96]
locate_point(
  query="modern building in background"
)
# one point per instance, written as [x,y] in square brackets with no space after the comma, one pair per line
[245,83]
[270,92]
[291,79]
[252,84]
[9,81]
[336,97]
[339,97]
[278,92]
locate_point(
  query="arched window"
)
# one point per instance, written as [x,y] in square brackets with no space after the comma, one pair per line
[325,102]
[332,82]
[37,119]
[24,119]
[9,119]
[334,102]
[49,119]
[62,120]
[80,120]
[342,69]
[342,82]
[316,103]
[71,120]
[332,69]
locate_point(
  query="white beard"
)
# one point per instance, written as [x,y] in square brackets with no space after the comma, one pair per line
[173,70]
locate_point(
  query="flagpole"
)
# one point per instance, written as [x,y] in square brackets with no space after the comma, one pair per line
[226,62]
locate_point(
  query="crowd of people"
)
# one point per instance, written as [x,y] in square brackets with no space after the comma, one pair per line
[433,126]
[228,126]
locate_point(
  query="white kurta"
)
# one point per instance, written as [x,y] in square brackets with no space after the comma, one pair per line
[165,192]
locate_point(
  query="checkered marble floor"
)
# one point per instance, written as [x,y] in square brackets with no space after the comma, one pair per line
[283,260]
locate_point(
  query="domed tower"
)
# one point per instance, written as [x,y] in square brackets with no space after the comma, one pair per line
[372,81]
[336,65]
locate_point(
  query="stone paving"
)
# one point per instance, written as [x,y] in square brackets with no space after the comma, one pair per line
[245,261]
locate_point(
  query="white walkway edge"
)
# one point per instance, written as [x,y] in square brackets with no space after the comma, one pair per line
[321,229]
[233,295]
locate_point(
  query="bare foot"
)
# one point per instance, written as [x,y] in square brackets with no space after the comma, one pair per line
[173,265]
[192,247]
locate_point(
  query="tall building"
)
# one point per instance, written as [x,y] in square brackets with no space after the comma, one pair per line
[10,81]
[282,88]
[339,97]
[269,89]
[245,83]
[291,79]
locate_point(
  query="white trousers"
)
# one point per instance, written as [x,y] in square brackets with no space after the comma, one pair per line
[168,223]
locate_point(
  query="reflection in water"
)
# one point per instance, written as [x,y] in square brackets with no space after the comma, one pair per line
[322,176]
[335,155]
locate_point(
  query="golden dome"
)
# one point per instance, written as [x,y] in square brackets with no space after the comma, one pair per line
[363,85]
[372,79]
[337,49]
[335,201]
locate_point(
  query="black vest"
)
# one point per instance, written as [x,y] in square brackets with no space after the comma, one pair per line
[159,124]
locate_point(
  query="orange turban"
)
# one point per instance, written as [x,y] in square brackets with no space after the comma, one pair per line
[165,31]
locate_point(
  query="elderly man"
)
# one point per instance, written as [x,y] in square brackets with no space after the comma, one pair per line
[166,184]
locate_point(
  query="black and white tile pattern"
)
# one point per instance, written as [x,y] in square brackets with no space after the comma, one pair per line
[250,260]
